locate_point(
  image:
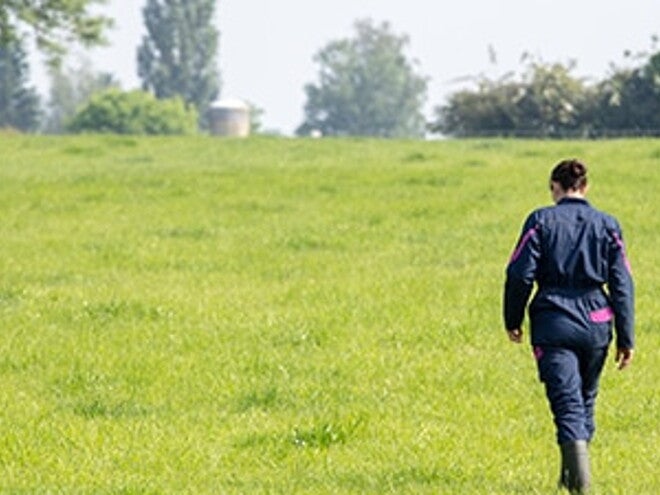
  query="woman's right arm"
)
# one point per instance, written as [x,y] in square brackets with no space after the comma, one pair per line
[622,292]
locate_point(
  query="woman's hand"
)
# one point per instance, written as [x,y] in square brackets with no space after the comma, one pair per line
[624,357]
[515,335]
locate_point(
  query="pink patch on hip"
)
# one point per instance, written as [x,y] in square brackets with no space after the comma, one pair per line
[538,353]
[602,315]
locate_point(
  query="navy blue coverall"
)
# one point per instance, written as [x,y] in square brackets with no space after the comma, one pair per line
[577,258]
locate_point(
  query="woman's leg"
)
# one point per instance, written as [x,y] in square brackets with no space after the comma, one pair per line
[591,367]
[559,370]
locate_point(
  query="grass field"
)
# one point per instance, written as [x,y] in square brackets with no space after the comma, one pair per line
[279,316]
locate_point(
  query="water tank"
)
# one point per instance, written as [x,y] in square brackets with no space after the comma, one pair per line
[230,117]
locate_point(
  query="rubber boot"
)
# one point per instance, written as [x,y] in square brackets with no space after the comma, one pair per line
[563,473]
[575,471]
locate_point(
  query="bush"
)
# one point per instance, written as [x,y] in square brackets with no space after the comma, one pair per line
[134,112]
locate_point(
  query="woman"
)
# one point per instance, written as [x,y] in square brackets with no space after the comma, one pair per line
[577,258]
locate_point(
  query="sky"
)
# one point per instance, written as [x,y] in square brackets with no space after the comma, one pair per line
[267,48]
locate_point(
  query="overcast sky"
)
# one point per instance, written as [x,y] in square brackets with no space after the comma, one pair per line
[267,47]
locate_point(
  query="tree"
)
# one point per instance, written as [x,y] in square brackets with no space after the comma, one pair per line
[19,102]
[547,102]
[55,23]
[134,112]
[552,102]
[491,109]
[70,89]
[178,54]
[366,87]
[629,101]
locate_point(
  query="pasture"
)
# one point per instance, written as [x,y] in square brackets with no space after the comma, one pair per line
[280,316]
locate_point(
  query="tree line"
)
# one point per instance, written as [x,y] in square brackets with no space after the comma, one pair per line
[548,101]
[367,84]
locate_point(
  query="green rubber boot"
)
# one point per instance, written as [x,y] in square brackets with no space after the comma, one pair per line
[575,470]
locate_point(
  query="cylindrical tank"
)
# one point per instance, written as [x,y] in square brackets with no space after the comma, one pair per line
[230,117]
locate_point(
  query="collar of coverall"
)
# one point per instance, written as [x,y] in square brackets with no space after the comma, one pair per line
[572,199]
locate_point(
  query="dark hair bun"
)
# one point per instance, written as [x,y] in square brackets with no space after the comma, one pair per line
[570,174]
[578,169]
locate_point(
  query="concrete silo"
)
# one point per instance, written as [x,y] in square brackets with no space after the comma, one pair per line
[230,117]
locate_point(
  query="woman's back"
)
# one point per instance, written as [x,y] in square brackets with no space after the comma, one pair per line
[575,244]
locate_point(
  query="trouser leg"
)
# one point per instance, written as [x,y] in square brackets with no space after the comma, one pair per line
[571,382]
[559,370]
[591,366]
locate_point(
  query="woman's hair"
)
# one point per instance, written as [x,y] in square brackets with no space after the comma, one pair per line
[570,174]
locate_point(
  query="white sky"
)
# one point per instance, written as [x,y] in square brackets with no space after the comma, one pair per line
[267,47]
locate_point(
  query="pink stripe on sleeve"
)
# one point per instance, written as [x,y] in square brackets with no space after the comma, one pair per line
[523,242]
[619,243]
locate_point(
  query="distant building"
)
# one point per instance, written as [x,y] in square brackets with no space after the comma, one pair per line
[230,117]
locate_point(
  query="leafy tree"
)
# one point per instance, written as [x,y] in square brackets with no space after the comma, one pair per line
[547,102]
[134,112]
[629,101]
[366,87]
[178,54]
[55,23]
[19,102]
[552,100]
[70,89]
[489,109]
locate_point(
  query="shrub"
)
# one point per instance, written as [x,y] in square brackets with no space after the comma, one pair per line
[134,112]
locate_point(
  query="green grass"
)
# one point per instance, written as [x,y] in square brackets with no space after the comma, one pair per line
[276,316]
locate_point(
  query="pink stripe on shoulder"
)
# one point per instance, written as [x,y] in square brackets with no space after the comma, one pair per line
[525,239]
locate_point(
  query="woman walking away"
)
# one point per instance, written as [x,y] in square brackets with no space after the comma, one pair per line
[576,255]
